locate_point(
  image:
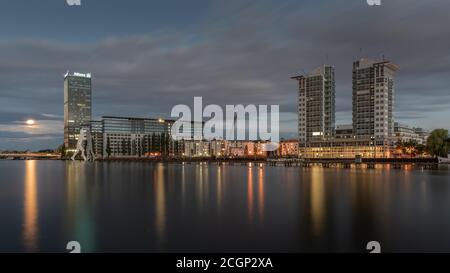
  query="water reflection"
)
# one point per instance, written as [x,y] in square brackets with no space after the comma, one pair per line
[255,200]
[219,187]
[199,185]
[317,200]
[183,185]
[261,193]
[160,202]
[120,207]
[250,193]
[80,220]
[30,221]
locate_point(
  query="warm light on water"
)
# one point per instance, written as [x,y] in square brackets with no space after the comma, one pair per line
[208,207]
[30,222]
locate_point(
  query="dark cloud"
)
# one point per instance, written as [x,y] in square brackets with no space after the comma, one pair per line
[24,136]
[239,52]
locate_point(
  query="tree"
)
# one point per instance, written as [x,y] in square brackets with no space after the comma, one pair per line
[420,149]
[438,143]
[410,148]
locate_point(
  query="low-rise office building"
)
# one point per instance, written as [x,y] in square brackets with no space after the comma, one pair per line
[287,148]
[422,134]
[224,149]
[193,148]
[405,133]
[96,129]
[135,137]
[345,148]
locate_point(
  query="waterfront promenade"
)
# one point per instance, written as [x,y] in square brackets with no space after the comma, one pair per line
[396,163]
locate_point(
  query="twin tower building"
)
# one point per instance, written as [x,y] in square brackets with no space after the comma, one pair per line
[372,132]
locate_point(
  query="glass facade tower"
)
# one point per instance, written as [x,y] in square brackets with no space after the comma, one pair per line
[77,106]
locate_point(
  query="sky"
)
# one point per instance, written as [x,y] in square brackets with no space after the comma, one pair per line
[147,56]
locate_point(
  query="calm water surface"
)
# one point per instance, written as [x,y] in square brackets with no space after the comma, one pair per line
[146,207]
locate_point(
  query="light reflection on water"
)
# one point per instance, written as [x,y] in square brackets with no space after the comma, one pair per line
[160,200]
[79,220]
[250,193]
[30,221]
[216,207]
[318,209]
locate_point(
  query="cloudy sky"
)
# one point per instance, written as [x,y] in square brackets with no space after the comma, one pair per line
[146,56]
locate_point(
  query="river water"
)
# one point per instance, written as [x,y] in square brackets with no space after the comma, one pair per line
[165,207]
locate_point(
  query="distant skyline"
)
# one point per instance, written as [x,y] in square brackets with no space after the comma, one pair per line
[147,56]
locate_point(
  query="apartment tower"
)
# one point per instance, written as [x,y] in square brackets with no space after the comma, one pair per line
[373,100]
[316,105]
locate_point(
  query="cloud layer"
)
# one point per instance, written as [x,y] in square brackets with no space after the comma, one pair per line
[237,52]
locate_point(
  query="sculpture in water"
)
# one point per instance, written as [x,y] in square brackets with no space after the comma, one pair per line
[84,146]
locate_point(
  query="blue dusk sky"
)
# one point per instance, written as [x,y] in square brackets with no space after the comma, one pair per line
[147,56]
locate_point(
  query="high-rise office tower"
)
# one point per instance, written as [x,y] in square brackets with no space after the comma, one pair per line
[77,106]
[373,100]
[316,105]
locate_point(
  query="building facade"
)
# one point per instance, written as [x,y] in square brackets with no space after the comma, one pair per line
[373,100]
[423,135]
[77,106]
[344,131]
[405,133]
[136,137]
[224,149]
[96,128]
[371,133]
[316,104]
[287,148]
[132,137]
[345,148]
[193,148]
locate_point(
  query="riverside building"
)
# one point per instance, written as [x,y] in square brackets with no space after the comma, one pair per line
[77,106]
[316,104]
[372,132]
[405,133]
[373,100]
[135,137]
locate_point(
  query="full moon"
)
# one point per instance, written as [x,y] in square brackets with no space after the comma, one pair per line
[30,122]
